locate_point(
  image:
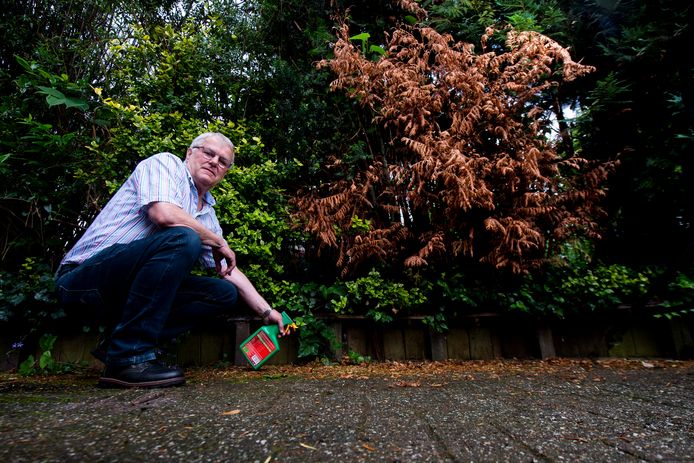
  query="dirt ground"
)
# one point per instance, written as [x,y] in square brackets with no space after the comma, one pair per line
[557,410]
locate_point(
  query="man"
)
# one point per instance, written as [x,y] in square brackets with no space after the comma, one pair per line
[135,259]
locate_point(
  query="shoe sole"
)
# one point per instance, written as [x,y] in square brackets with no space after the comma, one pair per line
[106,382]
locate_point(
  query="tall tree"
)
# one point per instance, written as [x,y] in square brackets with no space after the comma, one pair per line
[54,53]
[470,171]
[641,108]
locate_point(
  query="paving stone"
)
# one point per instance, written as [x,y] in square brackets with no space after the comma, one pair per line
[581,412]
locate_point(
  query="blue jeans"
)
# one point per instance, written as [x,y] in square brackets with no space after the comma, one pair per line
[146,289]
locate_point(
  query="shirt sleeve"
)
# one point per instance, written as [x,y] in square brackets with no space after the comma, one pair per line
[161,178]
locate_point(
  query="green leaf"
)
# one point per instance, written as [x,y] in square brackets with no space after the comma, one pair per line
[46,360]
[364,36]
[307,348]
[52,92]
[55,97]
[26,368]
[24,63]
[76,103]
[47,342]
[377,49]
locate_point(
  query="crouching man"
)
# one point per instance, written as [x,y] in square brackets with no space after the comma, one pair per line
[133,264]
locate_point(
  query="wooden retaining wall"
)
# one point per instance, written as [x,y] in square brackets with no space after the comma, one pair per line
[474,337]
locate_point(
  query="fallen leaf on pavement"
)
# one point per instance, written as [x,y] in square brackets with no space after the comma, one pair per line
[307,446]
[408,384]
[368,447]
[232,412]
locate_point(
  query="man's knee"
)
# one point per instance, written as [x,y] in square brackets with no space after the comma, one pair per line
[216,291]
[232,295]
[224,292]
[183,237]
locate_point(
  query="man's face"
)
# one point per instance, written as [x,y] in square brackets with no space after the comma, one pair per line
[208,162]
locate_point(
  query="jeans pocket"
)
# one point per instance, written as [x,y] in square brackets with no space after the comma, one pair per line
[80,297]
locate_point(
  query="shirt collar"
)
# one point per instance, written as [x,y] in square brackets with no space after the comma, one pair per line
[208,198]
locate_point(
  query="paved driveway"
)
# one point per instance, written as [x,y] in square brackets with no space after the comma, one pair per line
[563,410]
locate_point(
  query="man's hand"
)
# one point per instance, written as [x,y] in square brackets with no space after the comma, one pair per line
[171,215]
[224,253]
[255,301]
[276,317]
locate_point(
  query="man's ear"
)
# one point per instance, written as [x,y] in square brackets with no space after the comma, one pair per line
[188,153]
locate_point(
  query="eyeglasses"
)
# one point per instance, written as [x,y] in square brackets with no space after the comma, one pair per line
[210,155]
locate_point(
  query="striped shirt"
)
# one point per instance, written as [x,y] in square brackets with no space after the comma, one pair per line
[162,177]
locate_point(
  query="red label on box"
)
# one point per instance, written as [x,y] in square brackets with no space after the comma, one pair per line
[258,348]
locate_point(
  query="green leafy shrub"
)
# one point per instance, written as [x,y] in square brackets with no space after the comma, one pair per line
[45,364]
[46,121]
[381,299]
[679,298]
[27,298]
[567,290]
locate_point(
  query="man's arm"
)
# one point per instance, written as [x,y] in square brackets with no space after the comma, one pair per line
[255,301]
[167,215]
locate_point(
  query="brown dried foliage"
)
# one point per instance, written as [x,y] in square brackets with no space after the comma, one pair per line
[468,172]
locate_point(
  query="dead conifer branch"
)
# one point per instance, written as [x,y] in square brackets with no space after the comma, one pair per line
[469,171]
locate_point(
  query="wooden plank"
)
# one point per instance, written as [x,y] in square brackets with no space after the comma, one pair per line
[336,327]
[438,346]
[458,344]
[682,338]
[623,345]
[374,344]
[211,348]
[546,341]
[481,344]
[415,343]
[517,339]
[242,331]
[645,342]
[76,349]
[9,359]
[565,342]
[188,352]
[394,344]
[289,349]
[228,341]
[356,340]
[593,341]
[584,338]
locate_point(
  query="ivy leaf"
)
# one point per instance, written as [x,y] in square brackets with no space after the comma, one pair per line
[27,367]
[46,342]
[46,361]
